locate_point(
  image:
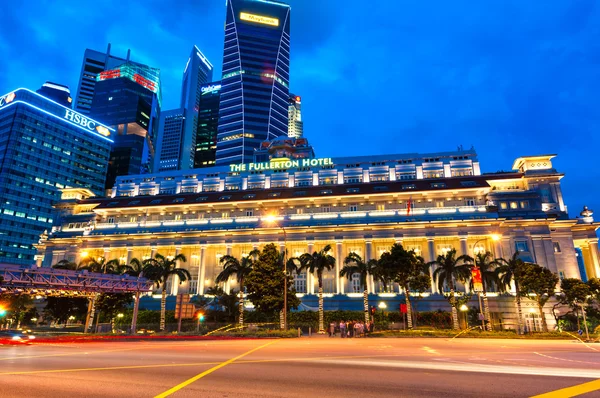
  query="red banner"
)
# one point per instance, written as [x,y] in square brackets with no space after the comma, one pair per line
[403,308]
[476,275]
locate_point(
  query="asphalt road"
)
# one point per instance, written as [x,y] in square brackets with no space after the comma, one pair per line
[307,367]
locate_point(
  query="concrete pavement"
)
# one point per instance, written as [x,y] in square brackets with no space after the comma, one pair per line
[411,367]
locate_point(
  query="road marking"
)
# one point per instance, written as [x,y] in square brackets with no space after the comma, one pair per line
[66,354]
[567,360]
[209,371]
[572,391]
[431,350]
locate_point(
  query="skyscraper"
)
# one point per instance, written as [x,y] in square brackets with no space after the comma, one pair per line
[128,99]
[198,71]
[168,145]
[208,123]
[57,93]
[94,62]
[44,147]
[295,126]
[255,81]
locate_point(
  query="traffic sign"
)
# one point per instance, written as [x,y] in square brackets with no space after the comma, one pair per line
[481,316]
[580,332]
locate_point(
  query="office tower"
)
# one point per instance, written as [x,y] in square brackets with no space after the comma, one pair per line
[169,153]
[255,80]
[284,148]
[128,99]
[57,93]
[44,147]
[94,62]
[296,126]
[208,123]
[182,123]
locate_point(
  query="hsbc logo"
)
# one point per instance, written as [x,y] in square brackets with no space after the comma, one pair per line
[7,99]
[80,120]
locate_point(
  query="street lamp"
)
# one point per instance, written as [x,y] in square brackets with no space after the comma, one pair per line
[463,308]
[272,219]
[485,310]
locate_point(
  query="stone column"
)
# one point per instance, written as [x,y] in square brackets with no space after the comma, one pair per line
[129,255]
[201,271]
[431,252]
[106,254]
[175,279]
[310,278]
[595,256]
[498,249]
[369,256]
[338,266]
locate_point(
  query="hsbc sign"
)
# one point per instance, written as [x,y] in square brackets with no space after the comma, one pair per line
[86,123]
[7,99]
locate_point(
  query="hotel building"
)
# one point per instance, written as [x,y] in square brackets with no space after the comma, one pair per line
[427,202]
[44,147]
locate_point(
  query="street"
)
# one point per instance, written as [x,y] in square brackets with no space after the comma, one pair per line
[306,367]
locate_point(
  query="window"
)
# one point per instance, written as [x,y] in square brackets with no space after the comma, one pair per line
[201,199]
[352,180]
[439,203]
[177,217]
[556,246]
[249,213]
[353,207]
[438,185]
[379,177]
[110,220]
[433,174]
[178,200]
[156,201]
[225,214]
[326,192]
[468,183]
[514,205]
[469,201]
[303,183]
[133,219]
[274,194]
[381,188]
[300,282]
[300,193]
[112,204]
[250,196]
[380,206]
[355,283]
[521,246]
[503,205]
[232,187]
[353,190]
[326,209]
[133,203]
[327,180]
[524,204]
[279,184]
[225,197]
[408,186]
[299,210]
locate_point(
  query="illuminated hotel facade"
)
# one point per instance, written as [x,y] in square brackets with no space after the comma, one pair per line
[355,204]
[44,147]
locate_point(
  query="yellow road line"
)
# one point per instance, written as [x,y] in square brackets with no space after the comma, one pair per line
[209,371]
[572,391]
[66,354]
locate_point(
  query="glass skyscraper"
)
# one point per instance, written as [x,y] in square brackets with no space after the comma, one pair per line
[208,123]
[44,146]
[255,81]
[296,125]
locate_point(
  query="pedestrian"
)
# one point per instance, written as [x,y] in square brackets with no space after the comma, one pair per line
[356,329]
[332,329]
[342,329]
[350,326]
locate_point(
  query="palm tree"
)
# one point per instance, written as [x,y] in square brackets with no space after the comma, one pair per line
[354,264]
[507,272]
[449,270]
[240,269]
[318,262]
[404,266]
[68,265]
[101,265]
[486,265]
[159,269]
[134,268]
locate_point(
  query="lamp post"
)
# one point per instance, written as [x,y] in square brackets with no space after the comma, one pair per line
[271,219]
[463,308]
[486,307]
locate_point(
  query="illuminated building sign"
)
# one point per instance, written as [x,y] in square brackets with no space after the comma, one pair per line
[210,89]
[7,99]
[142,81]
[110,74]
[144,76]
[244,16]
[85,122]
[281,164]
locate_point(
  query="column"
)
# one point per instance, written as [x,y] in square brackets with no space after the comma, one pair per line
[202,271]
[498,249]
[369,256]
[464,249]
[175,278]
[129,254]
[310,278]
[106,254]
[338,267]
[431,252]
[595,256]
[152,251]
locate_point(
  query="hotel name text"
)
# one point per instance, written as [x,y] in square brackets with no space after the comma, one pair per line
[281,164]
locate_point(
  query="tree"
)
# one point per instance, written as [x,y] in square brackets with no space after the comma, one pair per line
[487,265]
[69,265]
[508,272]
[110,304]
[17,304]
[574,293]
[419,285]
[405,267]
[240,269]
[134,268]
[594,284]
[61,308]
[319,262]
[264,285]
[354,264]
[449,270]
[540,283]
[159,269]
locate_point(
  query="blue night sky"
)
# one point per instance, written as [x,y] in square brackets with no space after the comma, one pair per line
[510,77]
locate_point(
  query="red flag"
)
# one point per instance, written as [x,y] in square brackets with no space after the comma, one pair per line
[408,206]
